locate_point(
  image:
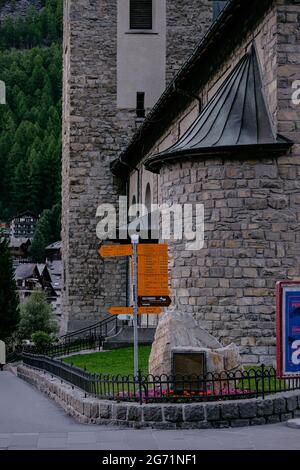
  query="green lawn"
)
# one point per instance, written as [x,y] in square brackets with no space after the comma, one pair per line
[120,362]
[270,383]
[117,361]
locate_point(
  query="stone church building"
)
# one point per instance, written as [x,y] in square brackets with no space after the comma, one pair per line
[186,102]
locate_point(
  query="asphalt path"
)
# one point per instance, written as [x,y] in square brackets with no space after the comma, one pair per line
[29,420]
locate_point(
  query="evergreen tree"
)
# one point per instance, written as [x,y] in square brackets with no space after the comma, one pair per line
[9,315]
[36,316]
[35,28]
[30,131]
[21,189]
[30,122]
[47,231]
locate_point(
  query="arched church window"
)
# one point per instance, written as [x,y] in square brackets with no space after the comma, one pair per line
[148,198]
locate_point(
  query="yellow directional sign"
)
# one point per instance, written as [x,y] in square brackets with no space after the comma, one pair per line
[129,310]
[150,310]
[120,310]
[153,274]
[112,251]
[152,250]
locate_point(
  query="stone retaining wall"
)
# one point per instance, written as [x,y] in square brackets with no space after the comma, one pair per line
[89,410]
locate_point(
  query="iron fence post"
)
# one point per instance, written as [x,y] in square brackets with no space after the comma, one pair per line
[140,386]
[263,381]
[256,379]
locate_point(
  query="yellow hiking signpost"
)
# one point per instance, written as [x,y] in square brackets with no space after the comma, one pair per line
[153,276]
[150,281]
[113,251]
[129,310]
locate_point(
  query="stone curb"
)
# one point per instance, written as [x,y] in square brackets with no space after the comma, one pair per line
[294,423]
[11,368]
[232,413]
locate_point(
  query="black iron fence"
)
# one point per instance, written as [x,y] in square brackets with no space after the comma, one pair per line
[250,383]
[91,337]
[63,349]
[108,327]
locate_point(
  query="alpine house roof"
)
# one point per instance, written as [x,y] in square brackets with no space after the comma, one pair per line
[235,122]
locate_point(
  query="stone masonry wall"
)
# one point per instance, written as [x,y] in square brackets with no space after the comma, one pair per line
[237,413]
[94,133]
[252,212]
[288,59]
[251,232]
[187,22]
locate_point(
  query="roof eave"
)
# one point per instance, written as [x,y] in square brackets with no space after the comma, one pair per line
[120,167]
[277,149]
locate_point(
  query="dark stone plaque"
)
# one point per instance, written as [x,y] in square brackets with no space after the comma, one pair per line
[189,369]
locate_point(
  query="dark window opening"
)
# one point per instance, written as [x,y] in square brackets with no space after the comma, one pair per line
[140,104]
[218,7]
[148,198]
[141,15]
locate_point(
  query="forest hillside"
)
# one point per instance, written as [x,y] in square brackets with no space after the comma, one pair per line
[30,121]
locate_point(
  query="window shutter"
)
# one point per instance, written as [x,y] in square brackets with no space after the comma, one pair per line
[140,104]
[140,14]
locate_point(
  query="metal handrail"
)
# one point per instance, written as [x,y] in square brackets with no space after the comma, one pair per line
[95,330]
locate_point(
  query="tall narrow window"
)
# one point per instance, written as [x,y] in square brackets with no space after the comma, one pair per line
[148,198]
[140,104]
[141,15]
[218,7]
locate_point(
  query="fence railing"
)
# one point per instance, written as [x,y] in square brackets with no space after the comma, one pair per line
[87,338]
[109,327]
[63,349]
[251,383]
[103,329]
[91,337]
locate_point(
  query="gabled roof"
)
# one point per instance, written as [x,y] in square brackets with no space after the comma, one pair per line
[55,268]
[56,282]
[54,246]
[235,120]
[25,271]
[41,267]
[25,213]
[19,242]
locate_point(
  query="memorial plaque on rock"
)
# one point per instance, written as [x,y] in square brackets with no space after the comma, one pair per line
[191,366]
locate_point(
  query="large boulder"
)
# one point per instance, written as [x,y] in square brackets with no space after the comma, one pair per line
[179,332]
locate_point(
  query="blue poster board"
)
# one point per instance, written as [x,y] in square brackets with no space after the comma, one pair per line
[290,331]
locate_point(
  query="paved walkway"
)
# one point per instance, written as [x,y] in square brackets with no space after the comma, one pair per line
[28,420]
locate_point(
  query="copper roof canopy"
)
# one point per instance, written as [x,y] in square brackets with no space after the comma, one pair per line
[235,121]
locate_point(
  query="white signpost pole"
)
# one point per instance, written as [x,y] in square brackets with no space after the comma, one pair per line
[135,241]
